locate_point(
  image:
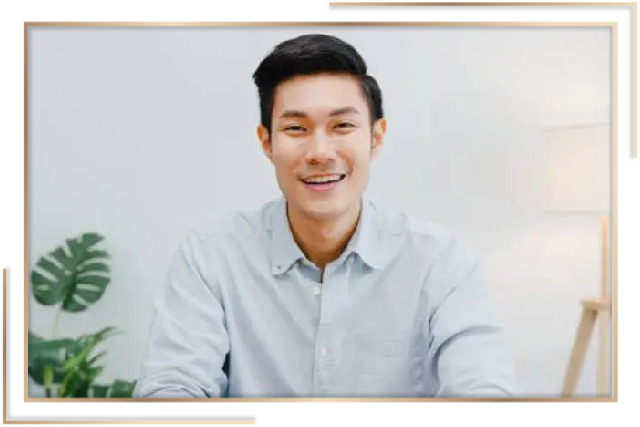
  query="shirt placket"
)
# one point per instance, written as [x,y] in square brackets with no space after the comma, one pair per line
[333,296]
[326,348]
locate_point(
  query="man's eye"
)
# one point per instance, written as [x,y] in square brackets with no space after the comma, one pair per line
[295,128]
[344,125]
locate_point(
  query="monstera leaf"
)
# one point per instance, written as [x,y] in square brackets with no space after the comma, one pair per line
[74,276]
[47,357]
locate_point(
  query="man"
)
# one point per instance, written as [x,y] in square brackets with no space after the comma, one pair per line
[322,293]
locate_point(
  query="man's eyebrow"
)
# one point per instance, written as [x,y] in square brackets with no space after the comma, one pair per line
[298,114]
[343,111]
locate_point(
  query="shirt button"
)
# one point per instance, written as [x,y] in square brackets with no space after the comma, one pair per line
[317,290]
[324,351]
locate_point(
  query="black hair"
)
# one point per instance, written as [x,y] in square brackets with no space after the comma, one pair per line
[313,54]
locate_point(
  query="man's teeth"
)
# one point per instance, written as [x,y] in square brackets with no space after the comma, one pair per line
[322,179]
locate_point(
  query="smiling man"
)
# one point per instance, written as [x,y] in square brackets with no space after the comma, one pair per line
[323,293]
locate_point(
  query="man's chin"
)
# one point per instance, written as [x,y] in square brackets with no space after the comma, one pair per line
[320,211]
[328,210]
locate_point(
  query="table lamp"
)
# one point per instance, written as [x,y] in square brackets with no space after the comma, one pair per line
[578,182]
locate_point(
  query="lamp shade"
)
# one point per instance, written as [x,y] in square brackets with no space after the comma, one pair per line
[577,164]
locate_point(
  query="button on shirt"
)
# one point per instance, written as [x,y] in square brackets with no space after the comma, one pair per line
[401,313]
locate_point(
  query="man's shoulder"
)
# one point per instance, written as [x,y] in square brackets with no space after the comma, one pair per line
[425,235]
[393,221]
[235,223]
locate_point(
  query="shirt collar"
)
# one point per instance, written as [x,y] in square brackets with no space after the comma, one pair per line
[365,241]
[285,249]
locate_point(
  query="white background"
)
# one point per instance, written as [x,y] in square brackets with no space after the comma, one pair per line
[173,143]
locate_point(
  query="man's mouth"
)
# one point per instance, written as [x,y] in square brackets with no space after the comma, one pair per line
[323,183]
[324,179]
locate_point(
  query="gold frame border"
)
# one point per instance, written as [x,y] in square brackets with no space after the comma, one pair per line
[612,25]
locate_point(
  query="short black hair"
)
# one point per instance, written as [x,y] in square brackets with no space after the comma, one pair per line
[313,54]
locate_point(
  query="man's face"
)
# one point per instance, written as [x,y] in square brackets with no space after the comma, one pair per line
[322,143]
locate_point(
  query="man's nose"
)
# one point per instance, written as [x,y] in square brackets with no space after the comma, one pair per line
[320,149]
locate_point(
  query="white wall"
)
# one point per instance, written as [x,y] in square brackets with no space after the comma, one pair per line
[139,133]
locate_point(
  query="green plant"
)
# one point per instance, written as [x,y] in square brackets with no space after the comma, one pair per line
[72,277]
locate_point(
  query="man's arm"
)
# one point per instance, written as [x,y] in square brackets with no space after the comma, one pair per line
[188,340]
[468,355]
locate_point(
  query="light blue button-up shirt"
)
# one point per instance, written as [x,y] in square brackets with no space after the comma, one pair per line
[401,313]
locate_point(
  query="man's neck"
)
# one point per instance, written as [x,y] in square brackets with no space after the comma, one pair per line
[323,241]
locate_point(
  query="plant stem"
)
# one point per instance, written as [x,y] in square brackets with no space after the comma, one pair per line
[48,379]
[55,322]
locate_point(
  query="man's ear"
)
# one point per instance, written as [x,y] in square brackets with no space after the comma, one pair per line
[265,141]
[377,136]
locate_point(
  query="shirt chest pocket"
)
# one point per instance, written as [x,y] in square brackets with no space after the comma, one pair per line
[382,363]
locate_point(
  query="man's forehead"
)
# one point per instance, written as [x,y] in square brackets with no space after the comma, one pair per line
[319,95]
[328,111]
[320,82]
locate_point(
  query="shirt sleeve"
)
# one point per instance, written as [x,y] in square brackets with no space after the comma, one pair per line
[468,355]
[188,340]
